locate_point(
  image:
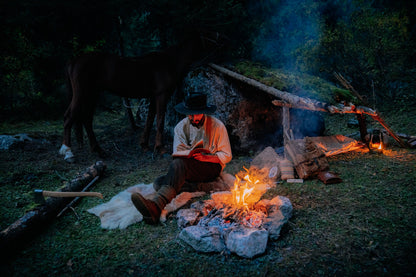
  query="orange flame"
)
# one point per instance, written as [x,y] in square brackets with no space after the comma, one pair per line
[243,189]
[378,146]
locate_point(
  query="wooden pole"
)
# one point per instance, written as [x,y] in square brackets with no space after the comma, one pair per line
[286,125]
[390,131]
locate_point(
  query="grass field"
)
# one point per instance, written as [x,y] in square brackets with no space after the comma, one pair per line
[363,226]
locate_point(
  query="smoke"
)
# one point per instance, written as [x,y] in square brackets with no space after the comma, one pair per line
[290,33]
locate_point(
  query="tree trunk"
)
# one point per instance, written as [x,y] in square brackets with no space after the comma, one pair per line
[19,233]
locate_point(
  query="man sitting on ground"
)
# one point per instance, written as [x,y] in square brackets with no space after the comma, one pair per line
[203,165]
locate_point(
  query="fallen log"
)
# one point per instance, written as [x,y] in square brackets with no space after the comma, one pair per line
[293,101]
[18,234]
[286,96]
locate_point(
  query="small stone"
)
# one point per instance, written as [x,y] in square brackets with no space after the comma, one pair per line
[187,217]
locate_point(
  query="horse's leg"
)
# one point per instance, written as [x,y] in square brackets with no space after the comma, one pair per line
[161,104]
[144,141]
[87,122]
[65,149]
[79,134]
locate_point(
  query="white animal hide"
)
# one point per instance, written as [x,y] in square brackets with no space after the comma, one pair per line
[120,212]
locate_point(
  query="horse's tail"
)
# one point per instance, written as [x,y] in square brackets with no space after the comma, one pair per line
[68,76]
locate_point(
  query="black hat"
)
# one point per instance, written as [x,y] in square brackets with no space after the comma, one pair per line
[195,103]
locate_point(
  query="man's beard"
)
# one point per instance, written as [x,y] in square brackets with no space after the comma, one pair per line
[199,124]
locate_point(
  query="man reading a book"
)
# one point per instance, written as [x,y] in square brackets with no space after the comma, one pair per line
[201,149]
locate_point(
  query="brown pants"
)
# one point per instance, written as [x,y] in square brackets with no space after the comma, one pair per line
[183,170]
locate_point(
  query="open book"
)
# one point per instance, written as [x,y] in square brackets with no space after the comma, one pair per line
[196,148]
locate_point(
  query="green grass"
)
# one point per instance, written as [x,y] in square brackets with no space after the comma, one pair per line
[362,226]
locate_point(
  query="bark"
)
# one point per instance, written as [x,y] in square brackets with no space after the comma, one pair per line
[19,233]
[363,127]
[295,100]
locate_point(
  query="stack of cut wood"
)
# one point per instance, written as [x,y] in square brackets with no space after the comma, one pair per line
[307,158]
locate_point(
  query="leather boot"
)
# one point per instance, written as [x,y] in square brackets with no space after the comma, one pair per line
[151,209]
[159,182]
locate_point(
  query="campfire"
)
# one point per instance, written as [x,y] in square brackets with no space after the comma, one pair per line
[235,221]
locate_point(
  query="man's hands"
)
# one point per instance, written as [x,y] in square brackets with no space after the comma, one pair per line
[206,157]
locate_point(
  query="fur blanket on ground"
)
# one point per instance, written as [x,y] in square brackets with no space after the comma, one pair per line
[120,212]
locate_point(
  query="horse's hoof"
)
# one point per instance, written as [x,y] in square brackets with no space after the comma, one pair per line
[67,153]
[70,160]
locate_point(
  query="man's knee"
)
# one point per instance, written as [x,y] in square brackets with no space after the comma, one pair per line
[159,182]
[178,165]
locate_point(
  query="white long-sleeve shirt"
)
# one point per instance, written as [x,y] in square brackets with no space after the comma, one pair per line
[213,133]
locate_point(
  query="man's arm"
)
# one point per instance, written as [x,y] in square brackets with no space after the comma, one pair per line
[179,138]
[205,157]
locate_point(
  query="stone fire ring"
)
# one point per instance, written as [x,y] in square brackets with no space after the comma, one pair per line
[218,235]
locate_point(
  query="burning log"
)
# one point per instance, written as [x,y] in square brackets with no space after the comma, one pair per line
[21,231]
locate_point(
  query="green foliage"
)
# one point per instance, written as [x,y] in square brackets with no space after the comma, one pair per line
[371,43]
[301,84]
[373,48]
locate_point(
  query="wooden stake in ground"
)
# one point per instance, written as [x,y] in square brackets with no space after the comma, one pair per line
[24,229]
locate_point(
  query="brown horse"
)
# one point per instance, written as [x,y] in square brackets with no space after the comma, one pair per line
[153,76]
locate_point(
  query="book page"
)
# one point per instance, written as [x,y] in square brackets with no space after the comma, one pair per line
[195,149]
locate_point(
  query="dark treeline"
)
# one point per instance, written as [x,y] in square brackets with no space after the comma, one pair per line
[372,43]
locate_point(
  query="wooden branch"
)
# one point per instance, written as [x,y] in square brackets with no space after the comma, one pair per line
[363,127]
[287,136]
[23,230]
[384,124]
[348,86]
[405,136]
[76,199]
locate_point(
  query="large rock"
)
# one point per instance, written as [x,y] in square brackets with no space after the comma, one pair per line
[251,119]
[279,211]
[247,242]
[203,238]
[267,166]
